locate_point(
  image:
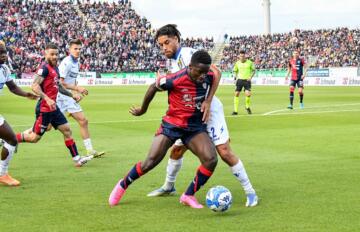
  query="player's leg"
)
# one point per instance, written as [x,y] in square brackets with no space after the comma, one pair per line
[301,93]
[41,125]
[247,96]
[159,147]
[7,152]
[84,131]
[238,170]
[292,89]
[204,149]
[173,167]
[59,122]
[219,134]
[236,96]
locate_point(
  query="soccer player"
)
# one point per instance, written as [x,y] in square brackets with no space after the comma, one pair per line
[297,67]
[46,84]
[244,70]
[69,71]
[187,90]
[168,38]
[6,133]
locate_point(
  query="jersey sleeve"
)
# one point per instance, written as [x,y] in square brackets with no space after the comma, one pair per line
[253,66]
[43,71]
[63,68]
[164,83]
[7,74]
[235,69]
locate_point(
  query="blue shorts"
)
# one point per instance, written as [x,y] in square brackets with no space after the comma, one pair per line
[174,133]
[43,119]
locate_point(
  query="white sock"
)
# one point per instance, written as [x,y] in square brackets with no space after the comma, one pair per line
[240,173]
[88,144]
[172,170]
[4,164]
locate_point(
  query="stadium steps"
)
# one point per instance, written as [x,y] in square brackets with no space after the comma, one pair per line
[217,52]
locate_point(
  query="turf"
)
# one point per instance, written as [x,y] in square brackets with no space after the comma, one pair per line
[304,165]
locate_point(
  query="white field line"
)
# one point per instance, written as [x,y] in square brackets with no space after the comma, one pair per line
[311,107]
[272,113]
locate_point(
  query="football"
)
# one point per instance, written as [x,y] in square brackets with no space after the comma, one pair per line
[218,199]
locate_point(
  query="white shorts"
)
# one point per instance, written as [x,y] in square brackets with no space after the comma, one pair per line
[2,120]
[216,126]
[67,104]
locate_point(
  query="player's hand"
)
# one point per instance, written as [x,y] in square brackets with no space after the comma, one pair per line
[205,109]
[77,98]
[82,90]
[51,103]
[31,96]
[136,111]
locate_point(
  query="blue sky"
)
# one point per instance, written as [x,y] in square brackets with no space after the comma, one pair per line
[245,17]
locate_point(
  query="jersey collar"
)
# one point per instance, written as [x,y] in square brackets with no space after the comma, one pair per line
[176,55]
[74,59]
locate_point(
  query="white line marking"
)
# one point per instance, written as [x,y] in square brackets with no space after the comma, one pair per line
[274,113]
[311,107]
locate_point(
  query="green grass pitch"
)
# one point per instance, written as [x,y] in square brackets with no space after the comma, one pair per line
[304,164]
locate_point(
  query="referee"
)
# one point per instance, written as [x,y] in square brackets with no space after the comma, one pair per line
[244,70]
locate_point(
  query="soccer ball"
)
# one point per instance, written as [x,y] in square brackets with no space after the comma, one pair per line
[218,199]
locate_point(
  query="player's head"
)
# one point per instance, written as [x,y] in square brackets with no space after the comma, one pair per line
[242,55]
[199,65]
[3,53]
[168,38]
[296,54]
[75,48]
[51,54]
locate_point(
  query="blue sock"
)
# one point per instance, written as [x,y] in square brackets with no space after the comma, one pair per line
[134,174]
[202,176]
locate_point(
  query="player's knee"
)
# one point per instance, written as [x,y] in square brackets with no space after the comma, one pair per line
[300,91]
[292,88]
[83,122]
[210,162]
[177,152]
[12,140]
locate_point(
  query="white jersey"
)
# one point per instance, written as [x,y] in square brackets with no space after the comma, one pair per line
[4,77]
[216,126]
[69,70]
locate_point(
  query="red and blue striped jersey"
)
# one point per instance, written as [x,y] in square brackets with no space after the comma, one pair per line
[296,66]
[50,85]
[184,98]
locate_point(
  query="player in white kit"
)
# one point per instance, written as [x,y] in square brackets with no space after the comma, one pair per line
[168,38]
[69,71]
[7,135]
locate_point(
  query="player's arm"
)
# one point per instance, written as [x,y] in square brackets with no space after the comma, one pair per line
[149,95]
[253,71]
[66,92]
[289,70]
[72,87]
[205,106]
[15,89]
[304,70]
[36,88]
[235,71]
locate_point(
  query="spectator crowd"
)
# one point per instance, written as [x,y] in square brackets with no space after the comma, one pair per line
[321,48]
[116,39]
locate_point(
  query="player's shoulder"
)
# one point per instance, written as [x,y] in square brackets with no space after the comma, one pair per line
[187,50]
[178,74]
[66,61]
[6,68]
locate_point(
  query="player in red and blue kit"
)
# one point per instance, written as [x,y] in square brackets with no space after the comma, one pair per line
[297,67]
[46,85]
[187,90]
